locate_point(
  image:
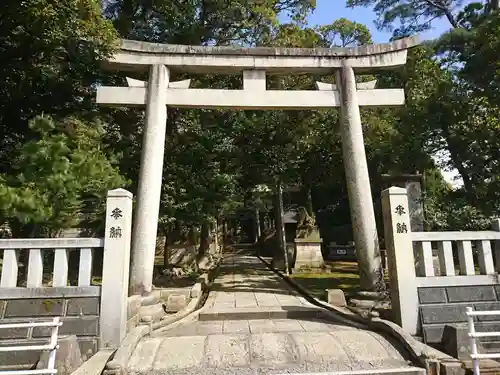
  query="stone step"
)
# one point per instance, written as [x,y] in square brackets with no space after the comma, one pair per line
[392,371]
[175,303]
[151,313]
[166,292]
[364,312]
[251,313]
[362,303]
[486,366]
[375,296]
[152,299]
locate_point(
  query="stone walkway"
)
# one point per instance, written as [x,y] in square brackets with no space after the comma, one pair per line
[246,288]
[253,324]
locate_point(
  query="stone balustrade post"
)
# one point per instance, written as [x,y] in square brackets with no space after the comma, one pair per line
[400,258]
[116,264]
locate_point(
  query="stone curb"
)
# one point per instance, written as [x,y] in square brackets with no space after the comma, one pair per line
[197,293]
[95,364]
[129,343]
[262,313]
[421,354]
[342,315]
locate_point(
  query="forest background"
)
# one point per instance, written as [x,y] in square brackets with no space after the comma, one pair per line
[60,152]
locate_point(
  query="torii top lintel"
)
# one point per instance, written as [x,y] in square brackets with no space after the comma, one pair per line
[135,55]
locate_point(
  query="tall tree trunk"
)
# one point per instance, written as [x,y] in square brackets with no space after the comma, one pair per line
[263,223]
[204,239]
[257,225]
[308,200]
[166,249]
[280,224]
[216,234]
[224,230]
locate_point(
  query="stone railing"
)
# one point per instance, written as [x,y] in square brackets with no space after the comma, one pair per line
[96,314]
[434,276]
[447,273]
[36,248]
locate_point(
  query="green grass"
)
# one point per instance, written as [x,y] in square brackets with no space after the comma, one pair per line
[337,275]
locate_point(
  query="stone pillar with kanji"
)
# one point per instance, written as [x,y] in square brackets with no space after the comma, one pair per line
[115,273]
[400,258]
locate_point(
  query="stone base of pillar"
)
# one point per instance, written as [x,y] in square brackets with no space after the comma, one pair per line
[308,253]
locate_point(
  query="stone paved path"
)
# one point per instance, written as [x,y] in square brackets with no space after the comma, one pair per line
[253,324]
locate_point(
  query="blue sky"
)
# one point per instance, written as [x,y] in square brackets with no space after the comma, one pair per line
[330,10]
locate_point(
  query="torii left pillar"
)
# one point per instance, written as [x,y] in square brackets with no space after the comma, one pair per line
[150,183]
[358,181]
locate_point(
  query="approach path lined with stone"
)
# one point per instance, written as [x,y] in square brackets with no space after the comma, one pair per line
[252,323]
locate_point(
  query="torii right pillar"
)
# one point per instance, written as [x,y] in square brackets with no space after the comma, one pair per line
[358,181]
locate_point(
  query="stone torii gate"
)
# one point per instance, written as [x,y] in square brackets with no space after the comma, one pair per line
[159,93]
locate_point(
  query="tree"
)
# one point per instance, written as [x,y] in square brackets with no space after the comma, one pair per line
[59,180]
[204,22]
[345,33]
[414,16]
[50,51]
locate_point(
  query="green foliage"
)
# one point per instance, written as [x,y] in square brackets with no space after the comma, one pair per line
[410,16]
[345,33]
[199,178]
[55,172]
[50,51]
[204,22]
[452,86]
[60,180]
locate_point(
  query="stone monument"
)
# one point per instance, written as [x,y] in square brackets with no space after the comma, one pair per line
[307,242]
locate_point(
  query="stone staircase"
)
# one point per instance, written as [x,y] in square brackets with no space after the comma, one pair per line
[371,304]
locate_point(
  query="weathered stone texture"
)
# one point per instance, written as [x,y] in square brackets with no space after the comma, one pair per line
[19,358]
[68,356]
[336,297]
[80,317]
[487,307]
[133,306]
[34,307]
[133,322]
[176,302]
[308,254]
[456,341]
[88,346]
[80,326]
[13,333]
[83,306]
[471,293]
[443,318]
[449,313]
[497,290]
[432,295]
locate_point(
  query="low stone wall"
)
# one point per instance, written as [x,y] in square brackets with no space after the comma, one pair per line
[180,255]
[172,299]
[79,308]
[442,306]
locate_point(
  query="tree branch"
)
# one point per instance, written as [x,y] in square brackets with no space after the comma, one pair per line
[447,13]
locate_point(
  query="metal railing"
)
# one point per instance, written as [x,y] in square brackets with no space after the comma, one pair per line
[475,356]
[51,347]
